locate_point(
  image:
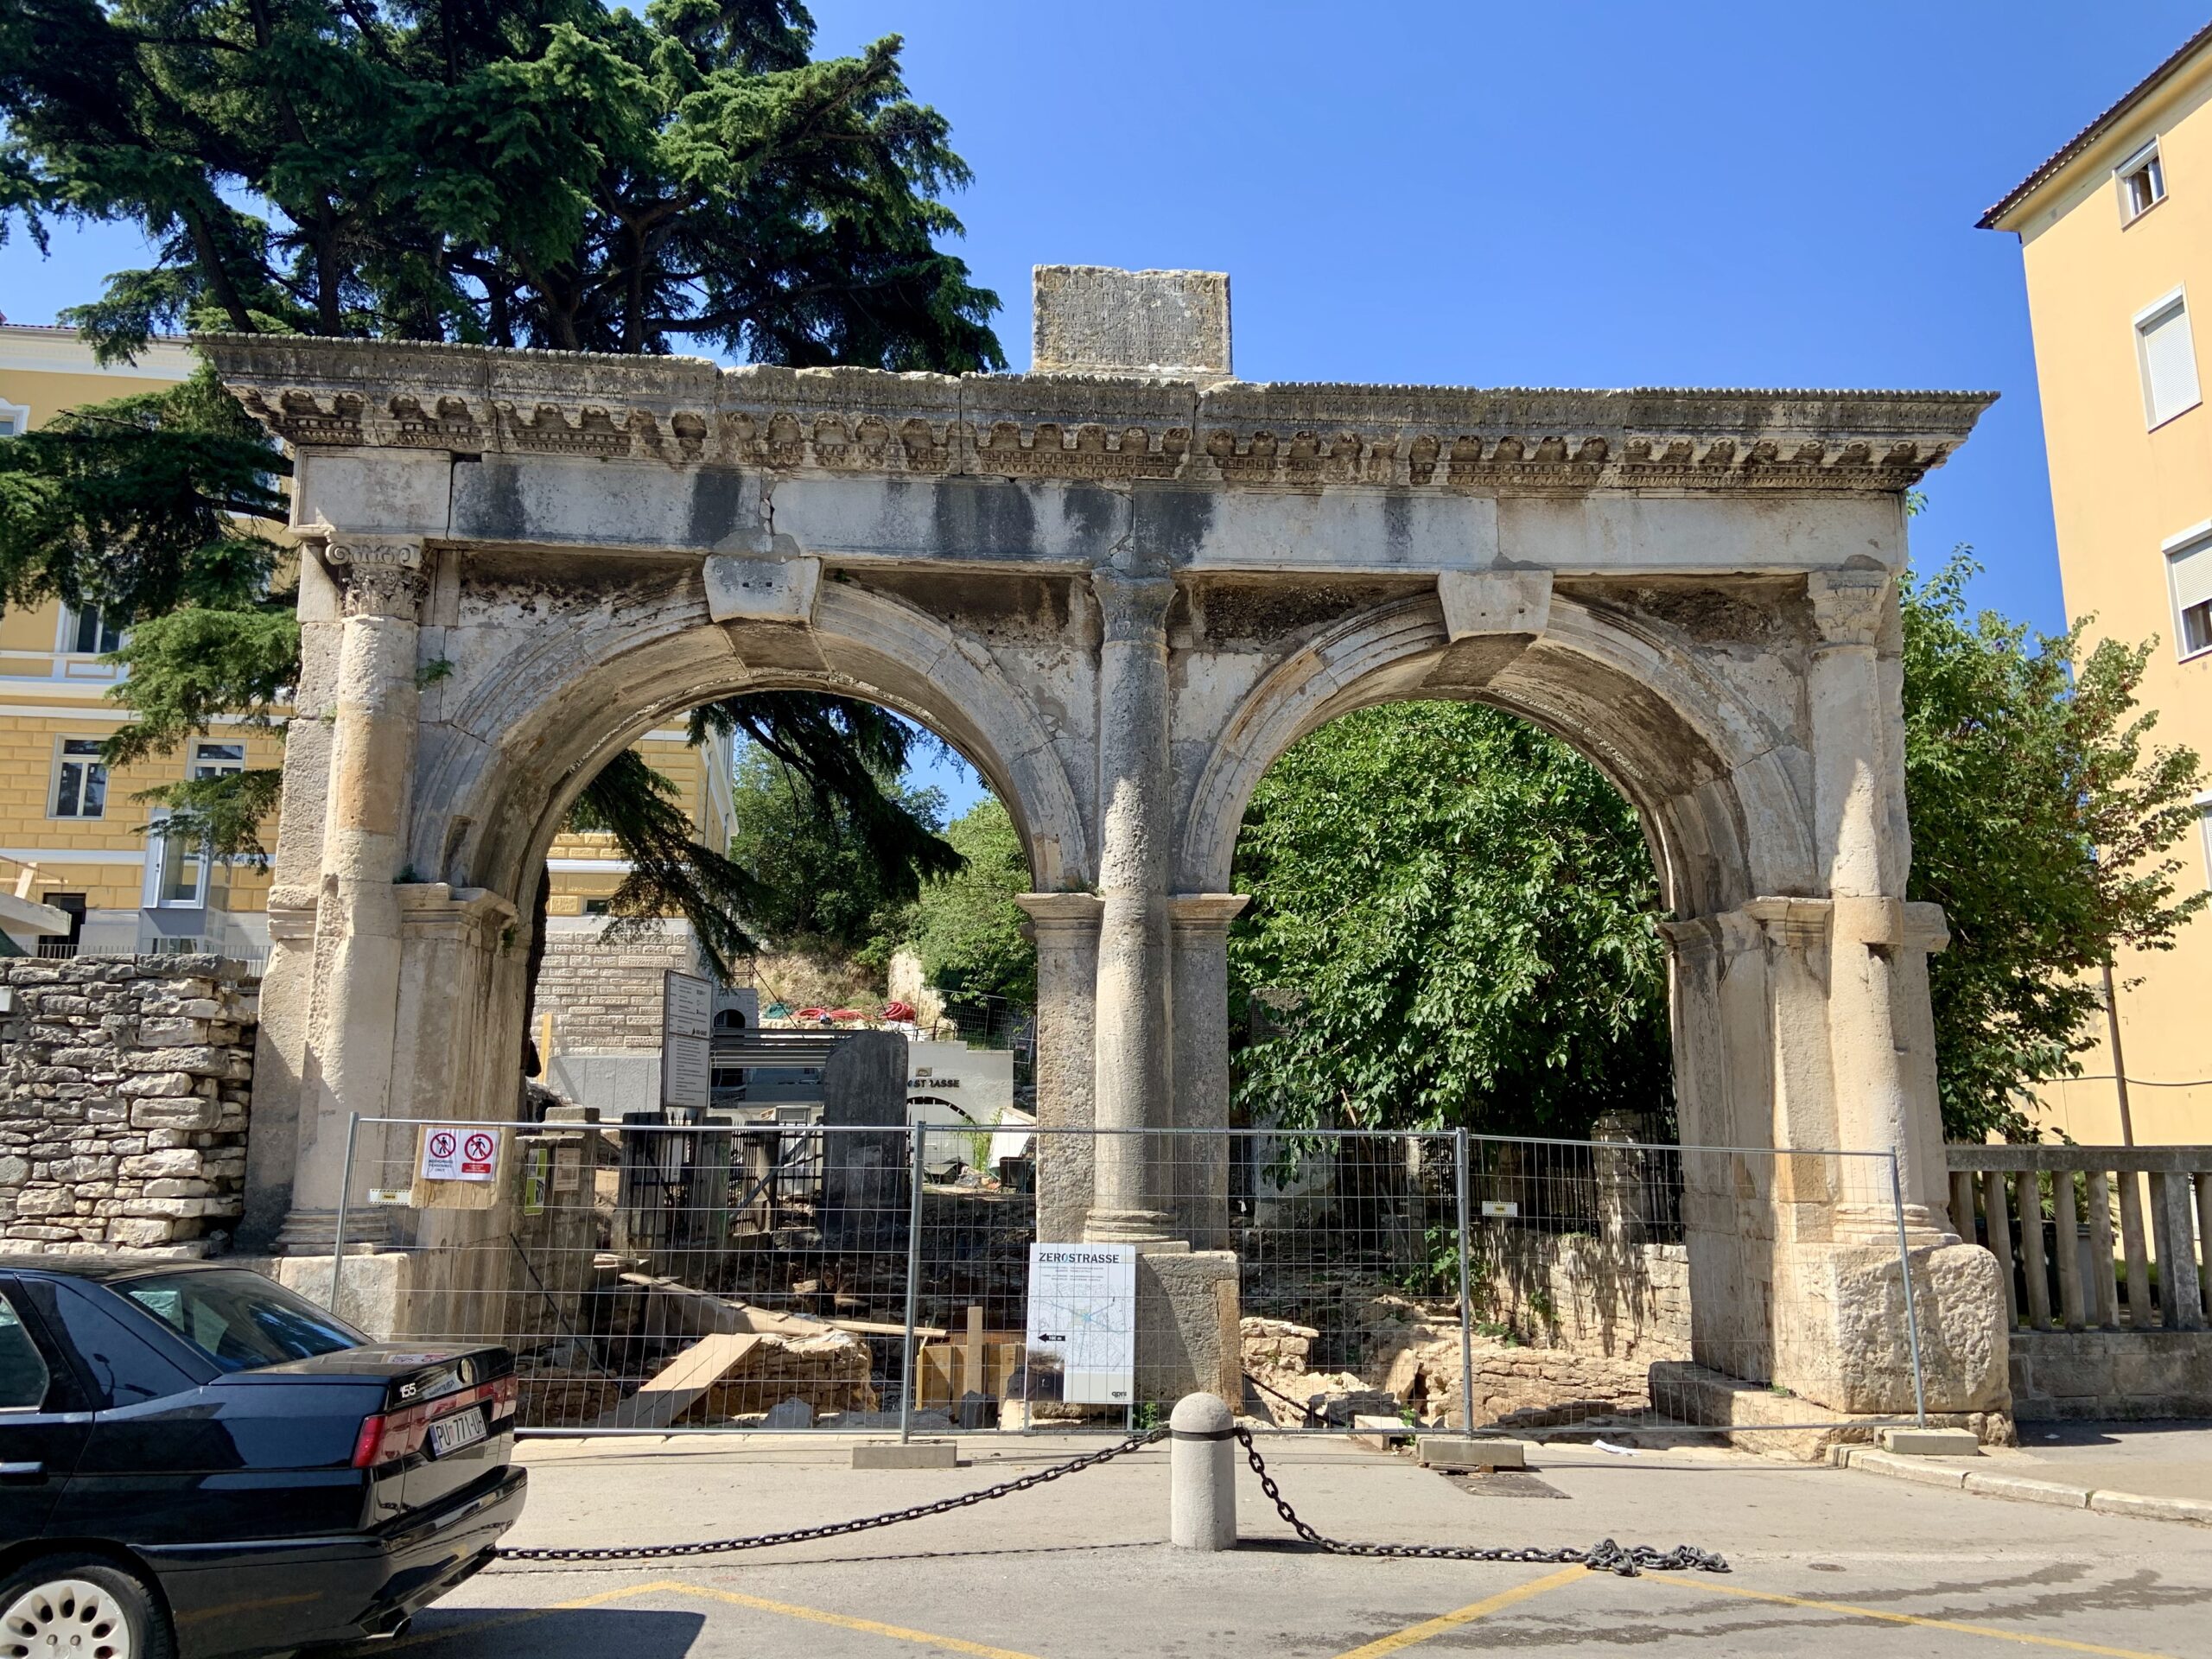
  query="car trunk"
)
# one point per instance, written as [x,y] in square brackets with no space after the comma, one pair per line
[446,1421]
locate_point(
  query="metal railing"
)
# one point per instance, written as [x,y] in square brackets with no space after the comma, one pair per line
[658,1276]
[2053,1215]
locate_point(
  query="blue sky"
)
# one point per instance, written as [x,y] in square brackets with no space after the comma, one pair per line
[1479,194]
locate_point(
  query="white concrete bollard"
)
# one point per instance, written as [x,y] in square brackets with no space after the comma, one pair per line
[1202,1474]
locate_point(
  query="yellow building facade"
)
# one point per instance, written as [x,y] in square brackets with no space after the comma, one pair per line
[2115,231]
[72,835]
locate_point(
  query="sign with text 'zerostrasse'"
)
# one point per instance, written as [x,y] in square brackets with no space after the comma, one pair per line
[1083,1323]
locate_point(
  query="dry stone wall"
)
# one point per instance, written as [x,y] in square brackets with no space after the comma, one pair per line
[124,1121]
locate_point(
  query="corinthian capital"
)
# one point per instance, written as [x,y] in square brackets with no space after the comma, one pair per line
[1849,606]
[1133,608]
[380,577]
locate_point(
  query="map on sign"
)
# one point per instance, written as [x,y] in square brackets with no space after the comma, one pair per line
[1083,1323]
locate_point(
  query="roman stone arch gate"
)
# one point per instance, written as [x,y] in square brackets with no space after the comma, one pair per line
[1121,585]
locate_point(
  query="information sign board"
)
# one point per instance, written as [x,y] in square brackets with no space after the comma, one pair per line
[1083,1323]
[687,1012]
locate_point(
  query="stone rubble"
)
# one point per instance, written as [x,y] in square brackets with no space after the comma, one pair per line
[124,1125]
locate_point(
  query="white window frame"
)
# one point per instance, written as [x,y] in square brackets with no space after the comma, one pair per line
[157,842]
[90,762]
[2176,299]
[20,414]
[2187,540]
[70,663]
[2145,156]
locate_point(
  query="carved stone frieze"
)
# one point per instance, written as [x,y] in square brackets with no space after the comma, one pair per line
[684,412]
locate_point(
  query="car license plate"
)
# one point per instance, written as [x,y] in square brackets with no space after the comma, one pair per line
[451,1433]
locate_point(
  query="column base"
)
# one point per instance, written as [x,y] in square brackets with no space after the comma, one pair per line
[314,1232]
[1841,1338]
[1156,1228]
[1877,1223]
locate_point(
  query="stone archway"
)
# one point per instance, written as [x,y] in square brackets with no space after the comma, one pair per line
[1122,584]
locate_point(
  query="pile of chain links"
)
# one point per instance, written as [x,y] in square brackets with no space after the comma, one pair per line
[1606,1557]
[838,1528]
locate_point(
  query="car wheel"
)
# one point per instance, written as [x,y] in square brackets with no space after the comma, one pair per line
[79,1607]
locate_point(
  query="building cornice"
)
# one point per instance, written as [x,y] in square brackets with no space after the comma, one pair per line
[32,350]
[686,410]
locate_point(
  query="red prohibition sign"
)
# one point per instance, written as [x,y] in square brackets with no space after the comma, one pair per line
[479,1148]
[442,1144]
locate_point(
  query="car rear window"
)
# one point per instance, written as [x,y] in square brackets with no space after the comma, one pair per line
[241,1320]
[23,1373]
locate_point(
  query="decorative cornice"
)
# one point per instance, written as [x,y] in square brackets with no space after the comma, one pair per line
[682,410]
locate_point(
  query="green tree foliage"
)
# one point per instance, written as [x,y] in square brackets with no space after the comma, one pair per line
[2044,823]
[965,926]
[548,173]
[1452,924]
[555,172]
[819,886]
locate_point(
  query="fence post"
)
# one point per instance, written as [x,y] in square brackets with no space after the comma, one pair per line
[1911,1317]
[338,1231]
[1467,1298]
[919,1132]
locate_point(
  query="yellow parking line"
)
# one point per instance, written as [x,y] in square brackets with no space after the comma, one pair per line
[1907,1618]
[843,1622]
[1401,1640]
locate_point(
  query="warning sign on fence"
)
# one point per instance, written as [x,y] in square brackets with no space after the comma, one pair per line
[1083,1323]
[457,1166]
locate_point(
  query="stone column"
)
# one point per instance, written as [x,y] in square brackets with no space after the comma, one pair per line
[1066,927]
[1199,1179]
[1856,731]
[355,1003]
[1133,1043]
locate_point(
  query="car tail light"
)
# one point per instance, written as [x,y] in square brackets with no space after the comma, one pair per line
[391,1435]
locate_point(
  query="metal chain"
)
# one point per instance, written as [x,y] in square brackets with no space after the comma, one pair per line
[1604,1557]
[838,1528]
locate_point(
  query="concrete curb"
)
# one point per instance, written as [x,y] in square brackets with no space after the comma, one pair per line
[1927,1471]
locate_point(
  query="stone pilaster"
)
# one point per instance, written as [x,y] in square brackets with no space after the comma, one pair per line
[1197,1182]
[1133,1043]
[354,1003]
[1856,731]
[1065,928]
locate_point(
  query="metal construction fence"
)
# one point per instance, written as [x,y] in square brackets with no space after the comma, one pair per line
[655,1276]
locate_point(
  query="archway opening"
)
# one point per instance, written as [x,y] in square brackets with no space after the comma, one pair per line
[1453,926]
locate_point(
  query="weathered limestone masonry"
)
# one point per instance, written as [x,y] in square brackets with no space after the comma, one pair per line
[1122,585]
[123,1124]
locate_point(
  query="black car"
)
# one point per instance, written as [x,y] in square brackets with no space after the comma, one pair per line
[195,1461]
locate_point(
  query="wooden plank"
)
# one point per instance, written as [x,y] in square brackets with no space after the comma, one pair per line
[884,1328]
[680,1384]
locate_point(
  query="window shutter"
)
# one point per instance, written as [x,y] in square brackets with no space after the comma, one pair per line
[2169,363]
[2191,568]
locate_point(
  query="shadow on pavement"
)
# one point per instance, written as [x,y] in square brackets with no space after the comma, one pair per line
[553,1633]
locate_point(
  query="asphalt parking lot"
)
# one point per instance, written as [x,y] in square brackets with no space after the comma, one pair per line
[1824,1561]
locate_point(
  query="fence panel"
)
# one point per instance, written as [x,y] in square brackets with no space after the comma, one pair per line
[657,1275]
